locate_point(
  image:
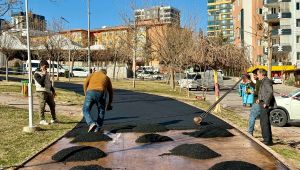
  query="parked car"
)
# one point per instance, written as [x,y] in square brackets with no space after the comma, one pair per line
[148,75]
[287,109]
[79,72]
[277,80]
[201,80]
[190,81]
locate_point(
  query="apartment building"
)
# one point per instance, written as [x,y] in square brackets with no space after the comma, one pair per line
[36,22]
[78,36]
[220,20]
[163,14]
[248,28]
[283,19]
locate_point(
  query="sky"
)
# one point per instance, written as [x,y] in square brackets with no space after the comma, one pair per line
[110,12]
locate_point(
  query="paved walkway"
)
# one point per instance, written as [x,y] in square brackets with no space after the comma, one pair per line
[132,108]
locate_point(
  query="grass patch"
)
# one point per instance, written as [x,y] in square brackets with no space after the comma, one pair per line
[16,146]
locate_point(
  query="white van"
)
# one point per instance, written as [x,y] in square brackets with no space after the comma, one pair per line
[36,64]
[201,80]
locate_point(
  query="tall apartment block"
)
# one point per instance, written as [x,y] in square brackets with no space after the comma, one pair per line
[248,28]
[220,19]
[283,18]
[162,14]
[37,22]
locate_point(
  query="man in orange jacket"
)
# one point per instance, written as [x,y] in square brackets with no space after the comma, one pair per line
[96,86]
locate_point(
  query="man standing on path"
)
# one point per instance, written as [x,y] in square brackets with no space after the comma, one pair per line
[45,91]
[255,110]
[95,87]
[266,100]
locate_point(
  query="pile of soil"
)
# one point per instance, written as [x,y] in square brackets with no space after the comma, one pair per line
[234,165]
[79,129]
[196,151]
[152,138]
[89,167]
[91,137]
[150,128]
[78,153]
[210,132]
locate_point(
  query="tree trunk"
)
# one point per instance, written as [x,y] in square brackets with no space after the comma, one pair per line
[72,65]
[217,91]
[179,80]
[52,71]
[187,84]
[6,68]
[114,70]
[172,79]
[57,69]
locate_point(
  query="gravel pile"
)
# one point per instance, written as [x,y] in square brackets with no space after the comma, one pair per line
[234,165]
[150,128]
[196,151]
[89,167]
[78,153]
[152,138]
[210,132]
[91,137]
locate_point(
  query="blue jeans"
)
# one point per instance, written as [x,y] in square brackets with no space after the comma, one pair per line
[254,113]
[91,98]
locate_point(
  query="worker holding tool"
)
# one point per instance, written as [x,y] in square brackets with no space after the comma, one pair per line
[96,86]
[266,100]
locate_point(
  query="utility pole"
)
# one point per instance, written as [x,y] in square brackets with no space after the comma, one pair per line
[270,52]
[89,49]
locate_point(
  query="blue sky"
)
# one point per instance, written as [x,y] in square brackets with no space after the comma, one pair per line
[109,12]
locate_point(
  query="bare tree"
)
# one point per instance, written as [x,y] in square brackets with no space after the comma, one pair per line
[54,43]
[8,46]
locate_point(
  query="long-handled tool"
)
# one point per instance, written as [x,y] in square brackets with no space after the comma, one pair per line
[198,119]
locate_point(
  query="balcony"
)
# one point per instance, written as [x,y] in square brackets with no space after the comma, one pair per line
[274,2]
[277,16]
[279,48]
[281,30]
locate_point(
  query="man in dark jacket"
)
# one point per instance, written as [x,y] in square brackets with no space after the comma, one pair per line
[266,100]
[45,92]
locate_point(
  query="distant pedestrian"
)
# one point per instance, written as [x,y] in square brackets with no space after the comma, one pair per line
[246,90]
[266,101]
[45,92]
[255,110]
[96,86]
[94,70]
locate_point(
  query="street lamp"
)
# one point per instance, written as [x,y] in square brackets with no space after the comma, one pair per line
[30,127]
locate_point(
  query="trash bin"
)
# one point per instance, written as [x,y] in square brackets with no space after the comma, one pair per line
[67,74]
[24,87]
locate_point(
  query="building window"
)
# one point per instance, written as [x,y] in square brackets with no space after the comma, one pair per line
[298,55]
[298,6]
[298,22]
[298,39]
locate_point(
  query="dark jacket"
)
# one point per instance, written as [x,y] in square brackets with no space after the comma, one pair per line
[256,90]
[265,93]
